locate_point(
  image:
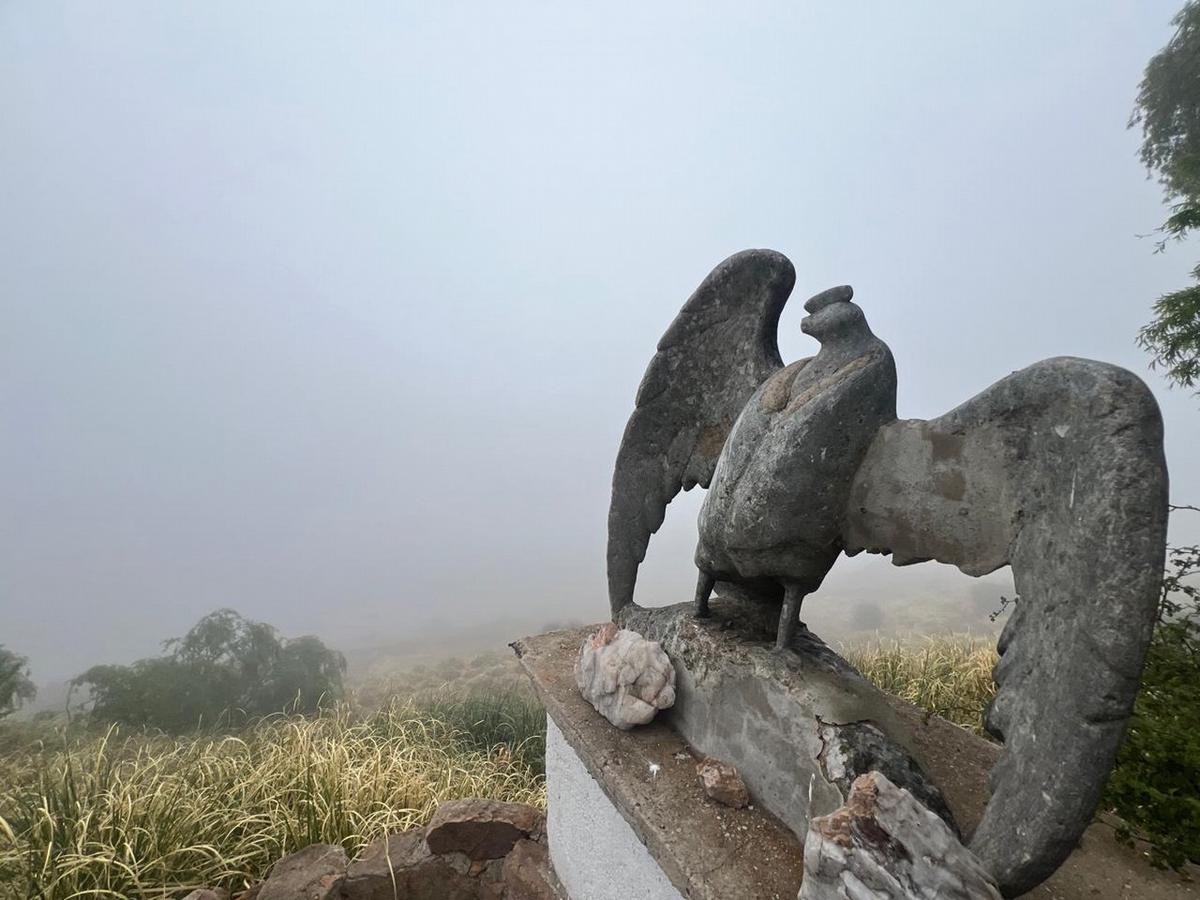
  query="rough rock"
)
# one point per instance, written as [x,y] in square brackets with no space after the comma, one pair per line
[627,678]
[208,894]
[482,829]
[799,726]
[402,865]
[722,782]
[314,873]
[527,874]
[884,845]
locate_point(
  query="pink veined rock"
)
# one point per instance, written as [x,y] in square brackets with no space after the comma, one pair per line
[884,844]
[627,678]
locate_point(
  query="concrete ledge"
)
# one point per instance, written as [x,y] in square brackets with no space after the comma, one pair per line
[592,848]
[706,851]
[709,852]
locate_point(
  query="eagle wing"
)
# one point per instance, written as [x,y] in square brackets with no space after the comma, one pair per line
[1057,470]
[720,348]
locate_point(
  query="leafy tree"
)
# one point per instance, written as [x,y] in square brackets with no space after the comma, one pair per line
[1168,111]
[1155,786]
[15,685]
[225,667]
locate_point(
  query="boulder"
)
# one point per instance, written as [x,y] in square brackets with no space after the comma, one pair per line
[627,678]
[885,845]
[482,829]
[208,894]
[722,782]
[402,865]
[314,873]
[527,874]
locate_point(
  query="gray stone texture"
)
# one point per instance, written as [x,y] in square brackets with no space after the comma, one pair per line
[1057,470]
[885,845]
[800,726]
[715,355]
[711,852]
[775,506]
[646,779]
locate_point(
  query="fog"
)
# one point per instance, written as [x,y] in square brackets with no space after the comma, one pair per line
[334,314]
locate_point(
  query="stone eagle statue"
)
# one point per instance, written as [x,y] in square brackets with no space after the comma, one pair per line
[1056,470]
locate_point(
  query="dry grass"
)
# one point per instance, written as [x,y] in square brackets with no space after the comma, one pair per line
[117,815]
[949,675]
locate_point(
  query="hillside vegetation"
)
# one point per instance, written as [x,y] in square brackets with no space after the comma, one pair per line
[130,814]
[89,811]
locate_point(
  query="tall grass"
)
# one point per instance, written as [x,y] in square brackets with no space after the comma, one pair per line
[137,815]
[949,675]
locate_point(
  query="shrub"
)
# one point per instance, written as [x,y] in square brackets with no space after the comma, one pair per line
[226,668]
[1155,787]
[15,685]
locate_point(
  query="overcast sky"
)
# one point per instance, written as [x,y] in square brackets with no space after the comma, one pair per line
[334,313]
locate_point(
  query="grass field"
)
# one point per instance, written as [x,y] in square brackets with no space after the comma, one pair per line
[949,675]
[132,815]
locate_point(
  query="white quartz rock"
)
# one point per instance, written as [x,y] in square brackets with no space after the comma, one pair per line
[884,845]
[626,677]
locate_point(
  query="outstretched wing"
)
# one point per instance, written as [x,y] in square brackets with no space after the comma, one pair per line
[716,353]
[1057,470]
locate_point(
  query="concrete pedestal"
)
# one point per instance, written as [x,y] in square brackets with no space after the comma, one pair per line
[628,818]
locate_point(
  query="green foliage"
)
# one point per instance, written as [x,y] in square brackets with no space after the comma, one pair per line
[1155,786]
[1168,110]
[1173,338]
[15,686]
[225,669]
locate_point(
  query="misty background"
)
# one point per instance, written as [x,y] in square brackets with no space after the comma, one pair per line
[334,314]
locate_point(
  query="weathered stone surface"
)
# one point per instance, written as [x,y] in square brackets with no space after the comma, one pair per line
[668,814]
[402,865]
[627,678]
[1059,470]
[527,874]
[481,829]
[722,782]
[208,894]
[799,726]
[773,512]
[718,351]
[651,791]
[314,873]
[884,845]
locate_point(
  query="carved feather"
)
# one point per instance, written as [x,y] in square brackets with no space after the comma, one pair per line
[720,348]
[1057,470]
